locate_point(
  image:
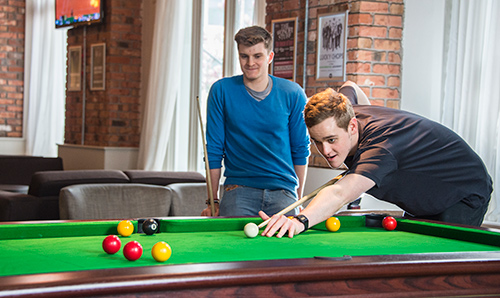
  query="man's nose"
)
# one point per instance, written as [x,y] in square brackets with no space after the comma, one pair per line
[325,148]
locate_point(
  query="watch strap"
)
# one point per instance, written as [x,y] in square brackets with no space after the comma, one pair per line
[216,201]
[304,220]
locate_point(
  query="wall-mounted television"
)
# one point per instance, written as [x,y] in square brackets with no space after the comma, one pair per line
[78,12]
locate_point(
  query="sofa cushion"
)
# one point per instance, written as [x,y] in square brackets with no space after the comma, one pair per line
[163,177]
[49,183]
[114,201]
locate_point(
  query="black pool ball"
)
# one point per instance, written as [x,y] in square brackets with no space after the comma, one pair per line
[149,226]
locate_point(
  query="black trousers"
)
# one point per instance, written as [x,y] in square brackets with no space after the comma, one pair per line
[461,213]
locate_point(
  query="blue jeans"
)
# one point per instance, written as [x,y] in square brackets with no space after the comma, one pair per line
[239,200]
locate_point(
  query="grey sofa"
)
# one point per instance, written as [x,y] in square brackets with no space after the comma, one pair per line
[42,200]
[101,201]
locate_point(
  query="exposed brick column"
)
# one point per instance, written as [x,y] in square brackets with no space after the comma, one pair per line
[112,116]
[373,46]
[12,28]
[374,49]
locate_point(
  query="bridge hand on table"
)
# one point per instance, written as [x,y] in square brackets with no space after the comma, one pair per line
[280,224]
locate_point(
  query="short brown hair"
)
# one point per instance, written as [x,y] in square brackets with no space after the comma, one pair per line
[327,104]
[253,35]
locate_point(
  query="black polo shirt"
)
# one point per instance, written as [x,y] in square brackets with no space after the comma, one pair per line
[416,163]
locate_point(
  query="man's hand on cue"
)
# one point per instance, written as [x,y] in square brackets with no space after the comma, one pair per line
[281,223]
[208,211]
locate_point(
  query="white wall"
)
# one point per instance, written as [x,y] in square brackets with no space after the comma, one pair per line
[12,146]
[422,57]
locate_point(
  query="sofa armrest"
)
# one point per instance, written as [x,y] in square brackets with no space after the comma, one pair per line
[22,167]
[19,207]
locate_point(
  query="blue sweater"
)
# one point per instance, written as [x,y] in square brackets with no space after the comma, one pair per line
[260,141]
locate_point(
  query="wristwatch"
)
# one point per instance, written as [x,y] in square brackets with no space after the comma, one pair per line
[216,201]
[304,220]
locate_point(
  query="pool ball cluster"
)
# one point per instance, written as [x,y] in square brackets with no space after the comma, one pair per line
[388,222]
[133,250]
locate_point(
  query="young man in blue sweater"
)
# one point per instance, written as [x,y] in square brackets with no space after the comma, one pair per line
[255,126]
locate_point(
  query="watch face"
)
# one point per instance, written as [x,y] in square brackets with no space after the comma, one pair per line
[304,220]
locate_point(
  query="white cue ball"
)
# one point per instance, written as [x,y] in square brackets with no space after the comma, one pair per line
[251,230]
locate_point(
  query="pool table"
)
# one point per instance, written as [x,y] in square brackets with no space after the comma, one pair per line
[211,257]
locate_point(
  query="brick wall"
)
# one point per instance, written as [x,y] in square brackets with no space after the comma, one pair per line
[373,47]
[12,16]
[374,43]
[112,116]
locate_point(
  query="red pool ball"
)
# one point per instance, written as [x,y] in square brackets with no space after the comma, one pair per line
[389,223]
[111,244]
[132,250]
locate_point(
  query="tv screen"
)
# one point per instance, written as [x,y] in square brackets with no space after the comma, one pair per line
[78,12]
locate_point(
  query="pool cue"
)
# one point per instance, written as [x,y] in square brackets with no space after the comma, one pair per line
[306,198]
[207,167]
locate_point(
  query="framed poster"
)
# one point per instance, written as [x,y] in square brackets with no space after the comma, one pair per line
[331,47]
[97,66]
[284,45]
[75,68]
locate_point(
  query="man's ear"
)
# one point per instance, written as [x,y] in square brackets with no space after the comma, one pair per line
[271,57]
[353,126]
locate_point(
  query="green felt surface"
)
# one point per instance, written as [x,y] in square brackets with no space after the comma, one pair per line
[59,247]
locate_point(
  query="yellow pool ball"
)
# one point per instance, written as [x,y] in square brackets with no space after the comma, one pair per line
[125,228]
[332,224]
[161,251]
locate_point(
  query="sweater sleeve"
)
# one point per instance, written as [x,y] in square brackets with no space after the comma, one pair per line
[215,126]
[299,138]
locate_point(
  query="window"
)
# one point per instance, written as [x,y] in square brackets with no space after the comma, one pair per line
[220,21]
[221,17]
[212,46]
